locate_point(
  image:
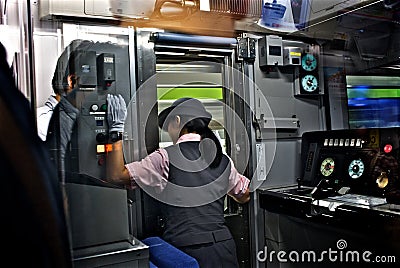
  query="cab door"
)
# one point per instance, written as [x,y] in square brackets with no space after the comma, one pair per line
[171,66]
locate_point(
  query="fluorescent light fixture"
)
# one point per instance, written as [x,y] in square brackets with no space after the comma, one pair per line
[213,56]
[170,53]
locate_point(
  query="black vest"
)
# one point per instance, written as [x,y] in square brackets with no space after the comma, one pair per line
[202,222]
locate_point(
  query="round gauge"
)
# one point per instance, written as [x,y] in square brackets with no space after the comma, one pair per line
[309,83]
[327,166]
[356,168]
[309,62]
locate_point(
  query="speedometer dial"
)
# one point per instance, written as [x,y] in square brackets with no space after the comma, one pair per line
[356,168]
[309,62]
[309,83]
[327,166]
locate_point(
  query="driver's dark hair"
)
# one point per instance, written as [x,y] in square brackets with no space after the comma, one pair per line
[200,126]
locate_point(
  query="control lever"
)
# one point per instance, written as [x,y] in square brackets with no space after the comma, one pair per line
[343,190]
[299,181]
[322,190]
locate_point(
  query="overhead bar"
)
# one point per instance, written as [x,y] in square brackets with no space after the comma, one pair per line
[174,38]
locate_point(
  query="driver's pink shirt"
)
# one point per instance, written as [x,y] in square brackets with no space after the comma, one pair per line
[153,171]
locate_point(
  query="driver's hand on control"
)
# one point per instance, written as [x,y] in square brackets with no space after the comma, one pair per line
[116,112]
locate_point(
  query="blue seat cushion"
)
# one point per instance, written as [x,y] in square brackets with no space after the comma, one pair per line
[164,255]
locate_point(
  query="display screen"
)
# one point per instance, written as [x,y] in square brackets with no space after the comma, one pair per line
[373,101]
[275,50]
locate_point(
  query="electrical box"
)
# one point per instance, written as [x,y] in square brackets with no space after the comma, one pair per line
[84,64]
[105,69]
[292,56]
[270,50]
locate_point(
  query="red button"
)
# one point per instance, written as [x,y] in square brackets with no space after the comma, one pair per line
[388,148]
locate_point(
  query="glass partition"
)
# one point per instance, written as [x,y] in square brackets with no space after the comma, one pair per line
[373,101]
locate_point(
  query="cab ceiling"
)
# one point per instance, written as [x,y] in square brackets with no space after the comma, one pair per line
[369,39]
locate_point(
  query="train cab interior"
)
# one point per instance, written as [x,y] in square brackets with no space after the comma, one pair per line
[304,97]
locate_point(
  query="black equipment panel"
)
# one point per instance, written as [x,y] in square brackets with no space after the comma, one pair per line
[349,192]
[109,74]
[357,159]
[352,168]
